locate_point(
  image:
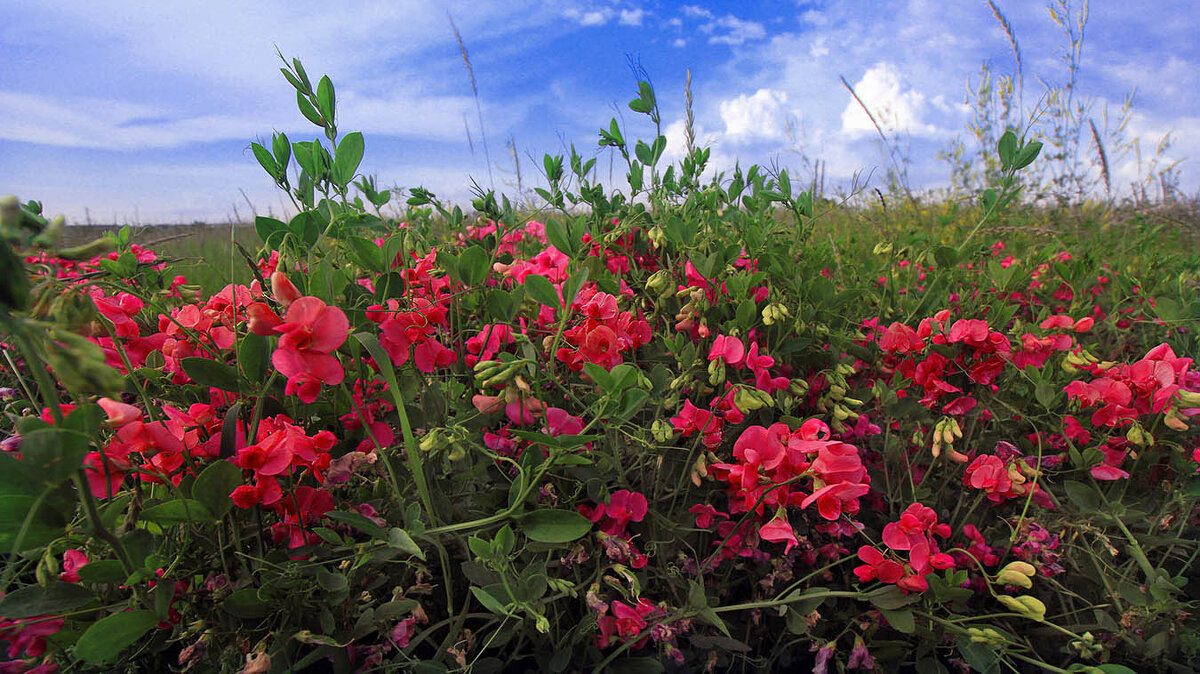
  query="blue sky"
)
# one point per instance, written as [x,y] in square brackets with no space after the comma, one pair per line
[143,111]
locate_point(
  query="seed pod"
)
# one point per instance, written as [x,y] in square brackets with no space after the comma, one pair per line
[52,235]
[88,250]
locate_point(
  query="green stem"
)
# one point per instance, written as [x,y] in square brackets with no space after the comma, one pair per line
[770,603]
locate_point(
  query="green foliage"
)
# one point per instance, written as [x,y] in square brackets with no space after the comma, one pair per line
[476,537]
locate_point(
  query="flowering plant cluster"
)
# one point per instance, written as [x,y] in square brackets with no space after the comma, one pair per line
[660,429]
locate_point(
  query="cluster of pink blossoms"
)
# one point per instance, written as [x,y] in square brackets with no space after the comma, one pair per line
[915,534]
[1159,383]
[622,508]
[770,461]
[308,333]
[280,449]
[603,334]
[163,446]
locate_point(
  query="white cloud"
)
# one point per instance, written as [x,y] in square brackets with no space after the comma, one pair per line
[733,31]
[760,116]
[121,125]
[631,17]
[679,43]
[819,48]
[110,124]
[694,12]
[895,107]
[593,19]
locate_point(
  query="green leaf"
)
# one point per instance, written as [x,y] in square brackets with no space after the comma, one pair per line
[367,253]
[332,582]
[310,113]
[85,419]
[215,484]
[1027,154]
[556,235]
[473,265]
[901,619]
[245,603]
[555,526]
[265,159]
[53,454]
[399,539]
[253,356]
[325,98]
[981,658]
[1007,148]
[139,544]
[359,522]
[644,154]
[572,286]
[103,571]
[178,511]
[891,598]
[394,609]
[229,430]
[542,291]
[210,373]
[45,526]
[283,150]
[270,230]
[1111,668]
[489,602]
[34,600]
[636,666]
[1166,309]
[306,226]
[348,156]
[106,638]
[945,256]
[1082,495]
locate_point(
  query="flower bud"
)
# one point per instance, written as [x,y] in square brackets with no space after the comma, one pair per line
[283,289]
[662,431]
[660,284]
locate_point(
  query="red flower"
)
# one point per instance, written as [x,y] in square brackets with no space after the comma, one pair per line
[73,561]
[779,530]
[877,566]
[991,474]
[729,349]
[832,499]
[310,332]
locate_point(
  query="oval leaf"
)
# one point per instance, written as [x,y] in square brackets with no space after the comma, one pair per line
[555,526]
[177,511]
[206,372]
[35,600]
[215,484]
[105,639]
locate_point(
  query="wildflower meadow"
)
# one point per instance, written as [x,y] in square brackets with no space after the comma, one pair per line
[690,422]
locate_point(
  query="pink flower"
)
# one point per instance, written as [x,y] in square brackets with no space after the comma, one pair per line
[119,413]
[875,565]
[705,513]
[310,332]
[860,657]
[73,561]
[833,499]
[282,288]
[403,632]
[990,474]
[779,530]
[729,349]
